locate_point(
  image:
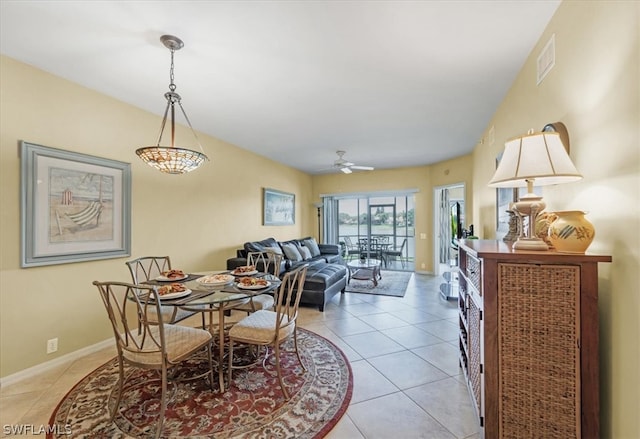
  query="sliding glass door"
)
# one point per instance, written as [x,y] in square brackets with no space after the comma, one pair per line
[386,222]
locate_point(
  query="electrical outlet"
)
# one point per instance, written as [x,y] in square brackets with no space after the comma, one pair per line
[423,265]
[52,345]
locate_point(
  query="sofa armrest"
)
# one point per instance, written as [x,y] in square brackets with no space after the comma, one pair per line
[236,262]
[329,249]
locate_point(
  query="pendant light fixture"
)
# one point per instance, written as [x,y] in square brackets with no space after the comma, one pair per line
[172,159]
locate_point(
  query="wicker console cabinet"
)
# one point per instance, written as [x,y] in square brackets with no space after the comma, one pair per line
[529,340]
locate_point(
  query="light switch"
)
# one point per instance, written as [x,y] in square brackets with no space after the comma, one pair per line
[423,236]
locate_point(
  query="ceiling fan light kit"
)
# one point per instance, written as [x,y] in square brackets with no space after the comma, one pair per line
[172,159]
[348,167]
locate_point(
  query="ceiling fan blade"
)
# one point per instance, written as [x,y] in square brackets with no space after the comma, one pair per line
[346,170]
[363,168]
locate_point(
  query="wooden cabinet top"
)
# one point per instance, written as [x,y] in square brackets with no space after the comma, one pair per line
[494,249]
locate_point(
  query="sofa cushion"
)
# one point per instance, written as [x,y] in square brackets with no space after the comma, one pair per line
[269,244]
[312,245]
[321,276]
[291,251]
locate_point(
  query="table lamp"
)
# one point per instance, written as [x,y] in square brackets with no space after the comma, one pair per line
[538,158]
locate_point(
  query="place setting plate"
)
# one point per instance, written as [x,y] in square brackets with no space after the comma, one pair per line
[215,280]
[175,295]
[244,273]
[163,278]
[241,286]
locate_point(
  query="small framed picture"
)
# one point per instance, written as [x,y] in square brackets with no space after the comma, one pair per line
[74,207]
[279,208]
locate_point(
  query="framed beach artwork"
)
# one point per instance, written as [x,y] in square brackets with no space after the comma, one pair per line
[279,208]
[74,207]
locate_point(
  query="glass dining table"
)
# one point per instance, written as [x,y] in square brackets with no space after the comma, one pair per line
[214,299]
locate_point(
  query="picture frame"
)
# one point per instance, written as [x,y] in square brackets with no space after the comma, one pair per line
[279,208]
[74,207]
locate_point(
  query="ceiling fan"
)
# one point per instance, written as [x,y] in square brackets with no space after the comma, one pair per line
[346,166]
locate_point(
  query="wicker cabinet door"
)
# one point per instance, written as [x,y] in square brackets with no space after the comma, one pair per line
[538,344]
[475,355]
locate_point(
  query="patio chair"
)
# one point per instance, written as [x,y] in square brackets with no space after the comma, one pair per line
[272,328]
[398,252]
[149,344]
[350,248]
[268,263]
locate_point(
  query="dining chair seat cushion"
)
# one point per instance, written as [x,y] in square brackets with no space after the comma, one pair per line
[261,301]
[260,328]
[181,341]
[167,314]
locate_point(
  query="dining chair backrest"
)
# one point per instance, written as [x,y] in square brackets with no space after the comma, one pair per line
[140,341]
[382,240]
[402,247]
[148,267]
[349,243]
[288,297]
[265,262]
[351,248]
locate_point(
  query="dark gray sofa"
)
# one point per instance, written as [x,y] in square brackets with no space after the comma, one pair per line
[327,273]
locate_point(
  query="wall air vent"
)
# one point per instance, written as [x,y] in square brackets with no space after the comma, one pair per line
[546,59]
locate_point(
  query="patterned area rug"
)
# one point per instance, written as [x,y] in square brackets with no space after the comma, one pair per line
[393,283]
[253,407]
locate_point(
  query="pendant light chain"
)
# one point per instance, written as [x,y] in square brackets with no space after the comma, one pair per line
[172,159]
[172,86]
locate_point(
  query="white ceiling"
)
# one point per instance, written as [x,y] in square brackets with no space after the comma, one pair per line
[394,83]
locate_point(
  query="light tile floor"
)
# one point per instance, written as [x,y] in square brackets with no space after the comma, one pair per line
[403,354]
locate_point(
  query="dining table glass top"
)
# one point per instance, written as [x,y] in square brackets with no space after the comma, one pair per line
[213,295]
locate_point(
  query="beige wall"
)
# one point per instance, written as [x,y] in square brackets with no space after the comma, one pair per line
[199,218]
[594,90]
[422,178]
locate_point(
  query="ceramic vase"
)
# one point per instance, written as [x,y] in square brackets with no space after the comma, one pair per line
[570,231]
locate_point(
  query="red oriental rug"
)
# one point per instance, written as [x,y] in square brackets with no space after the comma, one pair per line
[252,407]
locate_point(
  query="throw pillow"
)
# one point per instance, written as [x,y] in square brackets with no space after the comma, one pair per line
[291,252]
[305,253]
[274,248]
[311,244]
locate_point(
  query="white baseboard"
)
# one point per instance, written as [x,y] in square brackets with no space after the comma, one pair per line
[47,365]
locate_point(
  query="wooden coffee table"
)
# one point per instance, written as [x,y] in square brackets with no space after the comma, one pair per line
[365,269]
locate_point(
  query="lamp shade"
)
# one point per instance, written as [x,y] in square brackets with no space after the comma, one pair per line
[535,156]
